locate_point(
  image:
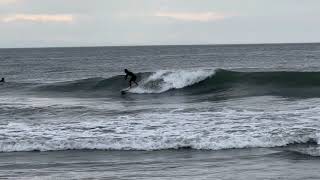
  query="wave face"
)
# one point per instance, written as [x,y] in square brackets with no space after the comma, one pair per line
[216,82]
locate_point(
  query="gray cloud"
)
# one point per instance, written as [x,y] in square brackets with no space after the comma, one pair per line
[140,22]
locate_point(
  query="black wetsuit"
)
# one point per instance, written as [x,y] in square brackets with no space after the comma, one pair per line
[133,77]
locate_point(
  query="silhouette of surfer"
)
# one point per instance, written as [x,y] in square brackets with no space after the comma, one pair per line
[2,80]
[132,79]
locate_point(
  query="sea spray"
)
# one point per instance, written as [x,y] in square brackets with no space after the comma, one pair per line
[164,80]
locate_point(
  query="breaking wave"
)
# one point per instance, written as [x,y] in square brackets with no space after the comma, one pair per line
[163,81]
[216,82]
[28,138]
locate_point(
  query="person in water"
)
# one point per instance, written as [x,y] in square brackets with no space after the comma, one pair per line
[132,79]
[2,80]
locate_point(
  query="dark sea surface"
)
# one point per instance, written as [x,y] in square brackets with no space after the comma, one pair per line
[199,112]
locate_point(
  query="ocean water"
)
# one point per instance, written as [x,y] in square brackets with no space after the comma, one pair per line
[199,112]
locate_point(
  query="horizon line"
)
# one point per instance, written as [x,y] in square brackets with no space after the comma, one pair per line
[154,45]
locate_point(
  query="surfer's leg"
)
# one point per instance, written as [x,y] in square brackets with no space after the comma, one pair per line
[130,82]
[134,79]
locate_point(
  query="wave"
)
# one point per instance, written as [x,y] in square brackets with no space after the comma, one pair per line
[56,140]
[163,81]
[219,83]
[305,150]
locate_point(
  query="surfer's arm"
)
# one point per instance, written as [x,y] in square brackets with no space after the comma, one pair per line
[126,77]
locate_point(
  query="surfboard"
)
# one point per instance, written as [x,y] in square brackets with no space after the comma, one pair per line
[125,90]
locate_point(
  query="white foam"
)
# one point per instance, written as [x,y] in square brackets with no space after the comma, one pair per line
[165,80]
[238,123]
[228,128]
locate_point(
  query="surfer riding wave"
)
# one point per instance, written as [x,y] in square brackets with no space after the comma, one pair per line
[132,79]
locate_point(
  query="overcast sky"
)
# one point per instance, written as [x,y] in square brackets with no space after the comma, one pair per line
[43,23]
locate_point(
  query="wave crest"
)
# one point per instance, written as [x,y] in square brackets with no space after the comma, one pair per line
[163,81]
